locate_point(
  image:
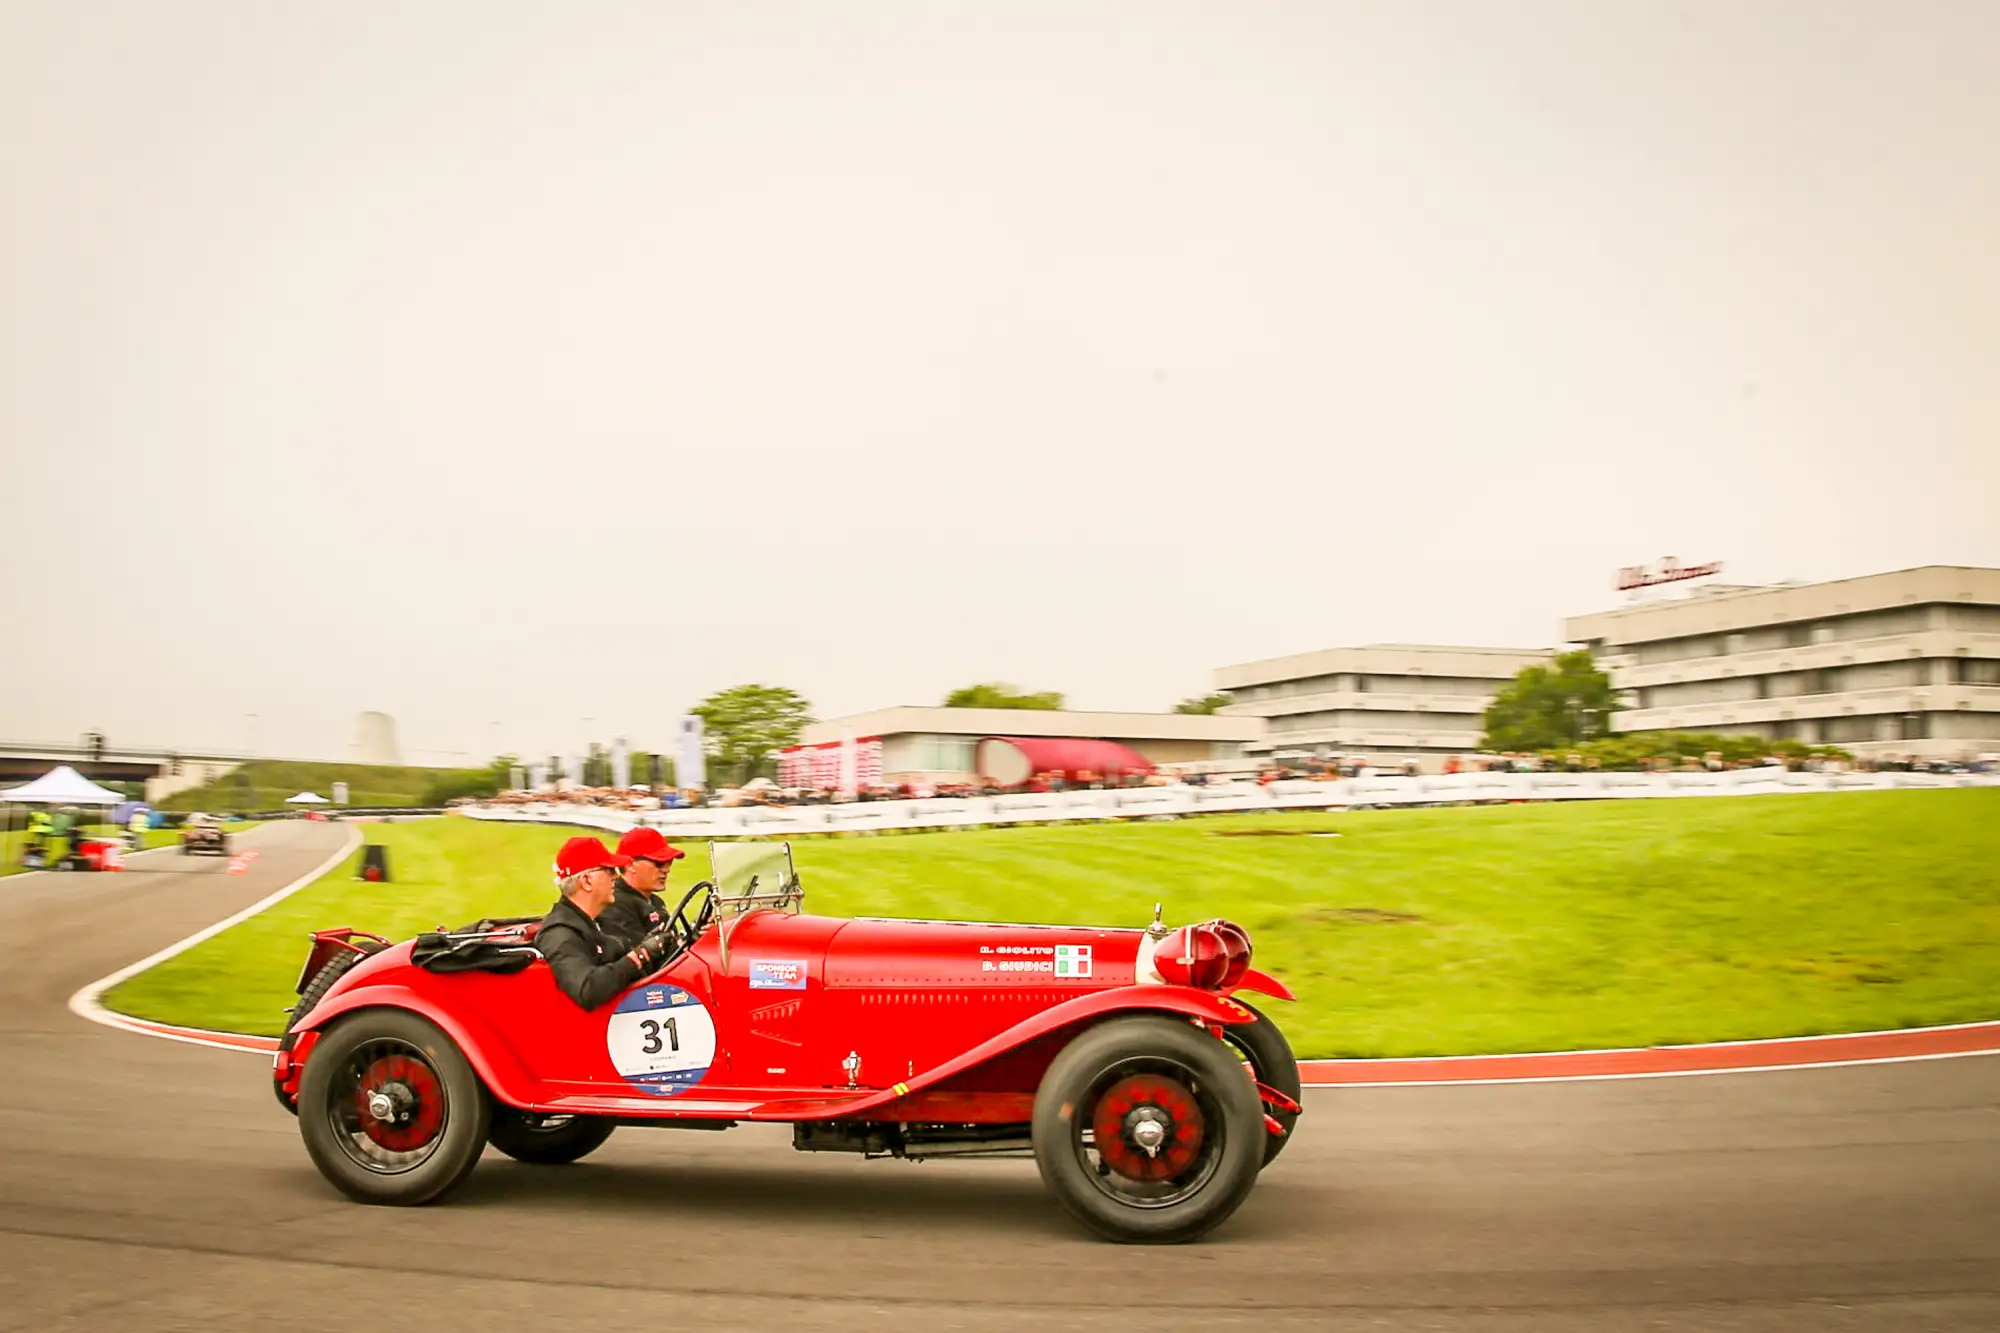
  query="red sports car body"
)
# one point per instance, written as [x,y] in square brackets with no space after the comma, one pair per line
[1148,1094]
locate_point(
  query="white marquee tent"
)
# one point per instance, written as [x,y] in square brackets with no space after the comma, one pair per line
[307,798]
[62,786]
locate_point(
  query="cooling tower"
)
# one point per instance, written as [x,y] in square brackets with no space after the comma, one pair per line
[375,739]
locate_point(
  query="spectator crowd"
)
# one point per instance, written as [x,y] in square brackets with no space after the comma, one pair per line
[765,792]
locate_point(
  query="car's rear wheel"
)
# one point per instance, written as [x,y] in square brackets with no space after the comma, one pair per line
[1146,1130]
[390,1109]
[547,1140]
[1271,1061]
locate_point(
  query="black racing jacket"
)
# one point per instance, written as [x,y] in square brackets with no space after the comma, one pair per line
[632,916]
[590,967]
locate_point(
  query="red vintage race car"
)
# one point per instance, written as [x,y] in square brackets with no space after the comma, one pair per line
[1148,1096]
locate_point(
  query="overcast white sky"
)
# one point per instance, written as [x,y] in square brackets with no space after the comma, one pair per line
[526,363]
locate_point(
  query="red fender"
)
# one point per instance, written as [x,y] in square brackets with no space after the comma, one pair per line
[1180,1001]
[1265,984]
[492,1058]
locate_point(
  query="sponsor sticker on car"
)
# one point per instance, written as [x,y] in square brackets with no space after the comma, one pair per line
[777,974]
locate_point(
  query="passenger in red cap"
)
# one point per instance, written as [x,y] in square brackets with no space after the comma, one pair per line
[636,909]
[591,967]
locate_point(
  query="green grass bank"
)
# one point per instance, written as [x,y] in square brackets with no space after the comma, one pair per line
[264,784]
[1416,932]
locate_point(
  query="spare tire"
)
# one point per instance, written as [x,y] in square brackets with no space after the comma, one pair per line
[322,981]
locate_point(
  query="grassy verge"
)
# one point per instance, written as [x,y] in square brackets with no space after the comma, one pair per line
[1415,932]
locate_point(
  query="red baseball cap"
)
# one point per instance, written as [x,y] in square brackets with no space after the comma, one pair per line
[648,844]
[581,854]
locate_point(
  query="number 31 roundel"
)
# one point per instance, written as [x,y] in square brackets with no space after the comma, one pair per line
[661,1038]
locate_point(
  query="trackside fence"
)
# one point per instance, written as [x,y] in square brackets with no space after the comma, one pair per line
[1229,798]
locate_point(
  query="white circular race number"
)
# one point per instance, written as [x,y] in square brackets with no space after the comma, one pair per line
[661,1038]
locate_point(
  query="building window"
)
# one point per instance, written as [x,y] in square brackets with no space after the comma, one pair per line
[1848,730]
[1975,671]
[1735,643]
[1361,684]
[1798,636]
[1913,727]
[1823,633]
[942,754]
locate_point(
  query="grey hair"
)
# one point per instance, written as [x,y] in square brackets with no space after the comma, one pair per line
[568,887]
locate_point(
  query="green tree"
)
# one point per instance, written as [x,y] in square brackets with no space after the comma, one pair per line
[746,724]
[1560,704]
[1202,703]
[999,694]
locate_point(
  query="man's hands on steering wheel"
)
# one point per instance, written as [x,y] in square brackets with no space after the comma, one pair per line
[691,930]
[675,938]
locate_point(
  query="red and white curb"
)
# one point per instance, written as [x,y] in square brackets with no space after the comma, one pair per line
[1722,1057]
[86,1003]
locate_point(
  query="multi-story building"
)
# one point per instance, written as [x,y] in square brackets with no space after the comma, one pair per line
[1892,664]
[1391,701]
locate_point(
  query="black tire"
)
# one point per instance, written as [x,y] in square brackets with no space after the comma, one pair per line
[1221,1136]
[1272,1061]
[547,1140]
[322,981]
[380,1051]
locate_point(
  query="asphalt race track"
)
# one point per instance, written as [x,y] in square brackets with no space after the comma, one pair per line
[150,1184]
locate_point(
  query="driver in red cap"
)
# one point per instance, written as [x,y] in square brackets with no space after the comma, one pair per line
[636,909]
[590,966]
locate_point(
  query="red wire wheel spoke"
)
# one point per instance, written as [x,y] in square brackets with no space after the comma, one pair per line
[424,1109]
[1129,1100]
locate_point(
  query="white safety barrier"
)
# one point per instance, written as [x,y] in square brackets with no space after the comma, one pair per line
[1221,798]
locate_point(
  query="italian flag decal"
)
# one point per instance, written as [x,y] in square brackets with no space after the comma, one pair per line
[1072,960]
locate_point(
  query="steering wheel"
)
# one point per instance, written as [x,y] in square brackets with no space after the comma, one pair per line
[690,931]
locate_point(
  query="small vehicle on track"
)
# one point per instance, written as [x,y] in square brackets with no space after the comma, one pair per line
[202,835]
[1149,1096]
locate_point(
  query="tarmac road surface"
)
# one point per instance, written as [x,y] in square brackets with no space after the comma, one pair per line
[148,1184]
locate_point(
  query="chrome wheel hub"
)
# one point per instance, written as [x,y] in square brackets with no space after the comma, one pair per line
[1147,1127]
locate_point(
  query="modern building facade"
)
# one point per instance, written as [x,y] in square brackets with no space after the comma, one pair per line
[942,744]
[1899,664]
[1391,702]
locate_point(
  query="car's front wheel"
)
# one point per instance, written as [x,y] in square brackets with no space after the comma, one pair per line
[1272,1063]
[1146,1130]
[547,1140]
[390,1109]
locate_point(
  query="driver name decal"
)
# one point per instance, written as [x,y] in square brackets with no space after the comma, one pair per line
[1062,960]
[662,1039]
[777,974]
